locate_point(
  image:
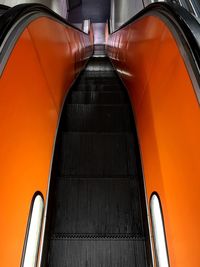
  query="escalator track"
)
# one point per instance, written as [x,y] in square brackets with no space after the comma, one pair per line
[98,207]
[93,194]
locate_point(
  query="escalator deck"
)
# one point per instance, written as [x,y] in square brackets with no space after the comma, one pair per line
[97,216]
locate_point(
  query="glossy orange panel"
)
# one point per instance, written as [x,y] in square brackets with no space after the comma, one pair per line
[28,121]
[167,117]
[34,82]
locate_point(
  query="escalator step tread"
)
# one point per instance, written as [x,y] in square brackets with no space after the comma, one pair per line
[97,236]
[95,97]
[98,79]
[97,118]
[97,206]
[98,155]
[98,86]
[97,253]
[97,216]
[100,65]
[99,74]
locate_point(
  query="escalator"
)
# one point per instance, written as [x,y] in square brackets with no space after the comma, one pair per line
[98,207]
[87,182]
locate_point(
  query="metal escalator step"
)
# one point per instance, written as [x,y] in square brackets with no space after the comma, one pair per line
[97,213]
[97,86]
[98,206]
[103,252]
[100,65]
[99,79]
[99,74]
[97,118]
[95,97]
[98,155]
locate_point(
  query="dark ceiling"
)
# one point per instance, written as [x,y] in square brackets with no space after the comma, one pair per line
[95,10]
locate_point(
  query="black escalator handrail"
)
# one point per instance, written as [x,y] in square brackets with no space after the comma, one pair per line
[180,17]
[4,7]
[185,25]
[14,14]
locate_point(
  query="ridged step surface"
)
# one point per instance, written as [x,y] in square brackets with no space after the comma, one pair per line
[97,214]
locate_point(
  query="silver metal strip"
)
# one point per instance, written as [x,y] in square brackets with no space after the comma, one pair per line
[159,236]
[33,234]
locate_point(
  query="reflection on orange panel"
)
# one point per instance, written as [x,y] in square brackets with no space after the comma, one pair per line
[36,77]
[167,118]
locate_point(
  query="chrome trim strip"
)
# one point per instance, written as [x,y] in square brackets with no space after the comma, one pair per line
[159,237]
[33,231]
[193,8]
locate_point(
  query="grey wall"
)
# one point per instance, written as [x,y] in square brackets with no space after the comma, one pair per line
[98,11]
[123,10]
[59,6]
[99,33]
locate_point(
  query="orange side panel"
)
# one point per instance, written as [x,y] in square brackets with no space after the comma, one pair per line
[28,121]
[167,117]
[37,76]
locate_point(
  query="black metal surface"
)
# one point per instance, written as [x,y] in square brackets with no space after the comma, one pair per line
[3,9]
[74,3]
[98,118]
[91,97]
[98,253]
[97,155]
[98,208]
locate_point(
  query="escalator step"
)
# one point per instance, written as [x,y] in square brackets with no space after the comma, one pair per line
[97,86]
[97,217]
[98,206]
[97,118]
[98,155]
[88,97]
[100,65]
[92,77]
[106,80]
[99,74]
[98,253]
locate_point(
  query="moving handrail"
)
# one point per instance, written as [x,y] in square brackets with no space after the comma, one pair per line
[185,27]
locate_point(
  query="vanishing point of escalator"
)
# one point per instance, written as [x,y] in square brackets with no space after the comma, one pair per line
[98,210]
